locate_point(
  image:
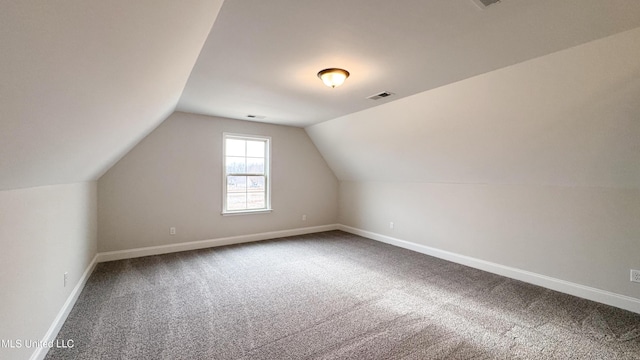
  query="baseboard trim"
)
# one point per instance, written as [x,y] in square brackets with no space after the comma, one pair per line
[55,327]
[203,244]
[41,353]
[586,292]
[567,287]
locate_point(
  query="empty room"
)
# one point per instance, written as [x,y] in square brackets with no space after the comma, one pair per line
[361,179]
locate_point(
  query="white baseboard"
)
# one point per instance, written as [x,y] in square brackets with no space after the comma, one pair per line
[55,327]
[203,244]
[602,296]
[586,292]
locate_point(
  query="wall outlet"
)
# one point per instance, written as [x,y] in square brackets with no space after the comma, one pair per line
[391,225]
[172,230]
[66,278]
[635,275]
[304,217]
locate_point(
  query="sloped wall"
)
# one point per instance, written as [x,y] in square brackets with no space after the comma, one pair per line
[84,81]
[173,178]
[534,166]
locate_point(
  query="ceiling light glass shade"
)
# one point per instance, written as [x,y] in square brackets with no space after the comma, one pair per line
[333,77]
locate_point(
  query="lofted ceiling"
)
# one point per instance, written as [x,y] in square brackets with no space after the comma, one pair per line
[570,118]
[262,57]
[83,81]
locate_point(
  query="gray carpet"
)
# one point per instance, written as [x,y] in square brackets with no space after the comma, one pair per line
[331,295]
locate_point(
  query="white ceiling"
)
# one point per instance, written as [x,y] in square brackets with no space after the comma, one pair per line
[262,57]
[83,81]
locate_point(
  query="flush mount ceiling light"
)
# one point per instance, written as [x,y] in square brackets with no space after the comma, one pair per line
[333,77]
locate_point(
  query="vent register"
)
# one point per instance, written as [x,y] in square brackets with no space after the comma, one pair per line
[381,95]
[485,3]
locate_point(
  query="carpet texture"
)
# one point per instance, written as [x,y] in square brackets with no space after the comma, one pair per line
[331,295]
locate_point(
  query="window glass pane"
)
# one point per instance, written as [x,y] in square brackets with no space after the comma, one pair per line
[235,147]
[236,201]
[255,148]
[255,166]
[236,183]
[256,201]
[236,165]
[255,183]
[243,156]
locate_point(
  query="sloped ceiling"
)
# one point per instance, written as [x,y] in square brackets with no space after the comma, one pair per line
[571,118]
[262,57]
[84,80]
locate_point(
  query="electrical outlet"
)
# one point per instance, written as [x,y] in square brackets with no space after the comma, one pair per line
[304,217]
[391,225]
[66,278]
[172,230]
[635,275]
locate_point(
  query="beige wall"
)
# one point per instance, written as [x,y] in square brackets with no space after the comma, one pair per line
[588,236]
[173,178]
[45,232]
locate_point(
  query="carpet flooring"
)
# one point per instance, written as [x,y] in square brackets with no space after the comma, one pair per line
[331,295]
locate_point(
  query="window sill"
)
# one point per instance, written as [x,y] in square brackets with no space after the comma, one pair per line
[246,212]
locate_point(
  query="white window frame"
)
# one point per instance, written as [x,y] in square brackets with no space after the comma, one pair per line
[267,174]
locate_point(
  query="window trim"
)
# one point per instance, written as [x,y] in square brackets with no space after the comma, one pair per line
[267,174]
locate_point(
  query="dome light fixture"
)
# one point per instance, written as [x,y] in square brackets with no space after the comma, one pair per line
[333,77]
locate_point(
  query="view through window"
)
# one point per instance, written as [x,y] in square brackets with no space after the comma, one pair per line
[246,164]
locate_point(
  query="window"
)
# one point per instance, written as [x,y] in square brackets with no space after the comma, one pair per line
[246,174]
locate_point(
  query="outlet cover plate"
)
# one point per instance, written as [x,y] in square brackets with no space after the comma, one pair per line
[635,275]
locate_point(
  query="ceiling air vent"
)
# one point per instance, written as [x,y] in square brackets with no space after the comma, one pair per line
[381,95]
[485,3]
